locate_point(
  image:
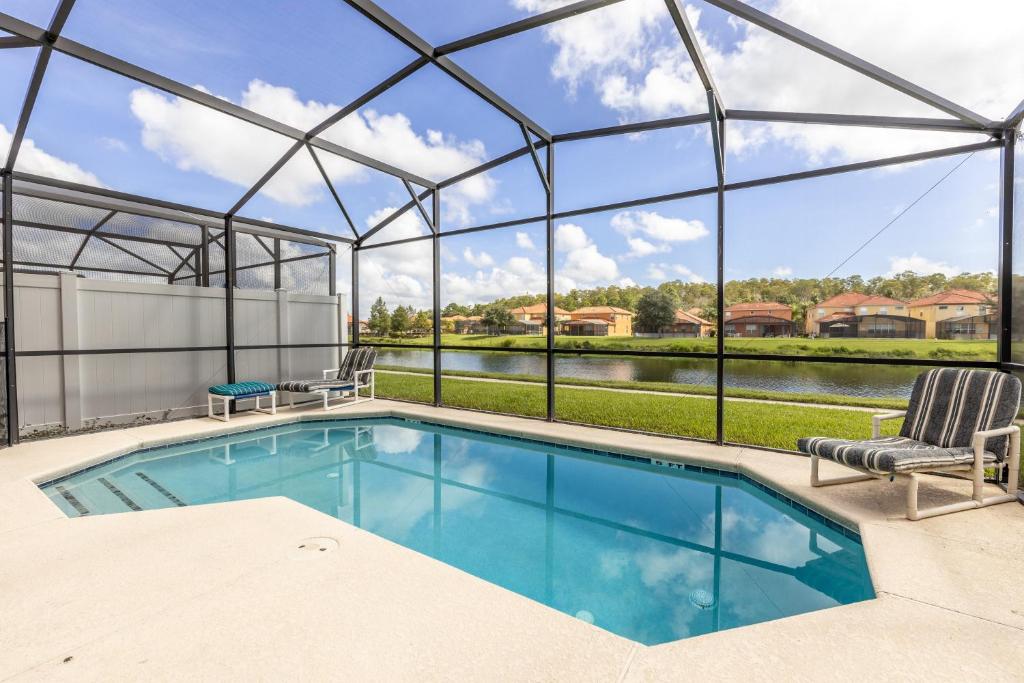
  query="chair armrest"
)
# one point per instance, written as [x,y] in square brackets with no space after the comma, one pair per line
[1002,431]
[359,373]
[331,371]
[876,421]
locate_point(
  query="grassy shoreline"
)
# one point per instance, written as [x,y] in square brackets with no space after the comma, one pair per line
[670,388]
[932,349]
[758,424]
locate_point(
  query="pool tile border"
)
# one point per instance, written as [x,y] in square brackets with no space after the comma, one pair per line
[653,461]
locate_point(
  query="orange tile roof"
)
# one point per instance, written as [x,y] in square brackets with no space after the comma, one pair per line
[590,321]
[687,317]
[953,296]
[536,308]
[767,305]
[602,309]
[850,299]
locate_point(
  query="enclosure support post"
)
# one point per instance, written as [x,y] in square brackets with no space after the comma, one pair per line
[9,357]
[197,267]
[720,302]
[229,294]
[1006,248]
[436,226]
[204,256]
[277,263]
[550,308]
[355,295]
[332,268]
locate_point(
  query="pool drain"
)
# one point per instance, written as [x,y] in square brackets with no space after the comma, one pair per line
[313,547]
[701,599]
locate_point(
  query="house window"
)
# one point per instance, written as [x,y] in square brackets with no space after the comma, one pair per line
[863,310]
[942,308]
[821,312]
[961,308]
[883,311]
[899,308]
[728,314]
[752,328]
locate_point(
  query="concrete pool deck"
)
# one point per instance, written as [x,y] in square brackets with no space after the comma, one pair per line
[223,591]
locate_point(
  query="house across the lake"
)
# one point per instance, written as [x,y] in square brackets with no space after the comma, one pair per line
[686,324]
[857,315]
[759,319]
[598,321]
[956,314]
[532,319]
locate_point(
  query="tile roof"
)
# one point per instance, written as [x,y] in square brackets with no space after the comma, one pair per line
[536,309]
[758,305]
[953,296]
[850,299]
[602,309]
[687,317]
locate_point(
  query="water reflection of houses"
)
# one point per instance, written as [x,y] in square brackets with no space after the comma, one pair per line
[759,319]
[857,315]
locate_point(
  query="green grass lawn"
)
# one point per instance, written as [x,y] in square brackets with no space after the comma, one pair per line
[880,348]
[758,424]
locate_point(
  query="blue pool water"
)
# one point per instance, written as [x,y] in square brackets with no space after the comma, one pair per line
[651,552]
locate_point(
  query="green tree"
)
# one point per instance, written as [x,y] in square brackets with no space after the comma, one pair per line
[455,309]
[655,310]
[497,316]
[380,321]
[400,321]
[423,322]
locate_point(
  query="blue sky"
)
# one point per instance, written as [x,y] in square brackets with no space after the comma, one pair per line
[619,64]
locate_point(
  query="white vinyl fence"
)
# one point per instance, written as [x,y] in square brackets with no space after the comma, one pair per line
[79,391]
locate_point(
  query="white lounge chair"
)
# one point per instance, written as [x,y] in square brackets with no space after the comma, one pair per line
[958,421]
[355,373]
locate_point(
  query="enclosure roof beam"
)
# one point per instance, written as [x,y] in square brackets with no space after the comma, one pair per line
[136,73]
[157,208]
[689,38]
[639,127]
[419,206]
[904,122]
[133,254]
[8,42]
[407,36]
[716,138]
[536,159]
[322,126]
[1014,119]
[864,165]
[791,33]
[87,231]
[334,192]
[92,231]
[526,24]
[390,219]
[45,39]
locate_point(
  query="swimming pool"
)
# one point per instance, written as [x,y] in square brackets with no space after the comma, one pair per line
[649,551]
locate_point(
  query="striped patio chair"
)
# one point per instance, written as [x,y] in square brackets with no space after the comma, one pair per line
[958,421]
[355,373]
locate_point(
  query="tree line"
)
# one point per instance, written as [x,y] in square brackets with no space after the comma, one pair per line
[800,294]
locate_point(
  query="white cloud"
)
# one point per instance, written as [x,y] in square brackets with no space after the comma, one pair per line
[662,271]
[920,265]
[656,272]
[626,282]
[584,264]
[31,159]
[684,272]
[524,241]
[639,248]
[518,275]
[631,57]
[658,227]
[401,274]
[116,144]
[782,271]
[478,260]
[569,236]
[196,138]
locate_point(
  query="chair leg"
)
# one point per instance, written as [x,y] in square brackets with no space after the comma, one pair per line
[817,481]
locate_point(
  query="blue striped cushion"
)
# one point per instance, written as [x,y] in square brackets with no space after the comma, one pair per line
[242,389]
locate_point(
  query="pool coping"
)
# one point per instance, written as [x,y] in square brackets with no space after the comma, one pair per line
[869,508]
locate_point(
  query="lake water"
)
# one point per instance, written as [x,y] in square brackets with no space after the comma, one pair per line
[861,381]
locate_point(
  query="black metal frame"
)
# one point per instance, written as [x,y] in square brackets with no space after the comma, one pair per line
[196,257]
